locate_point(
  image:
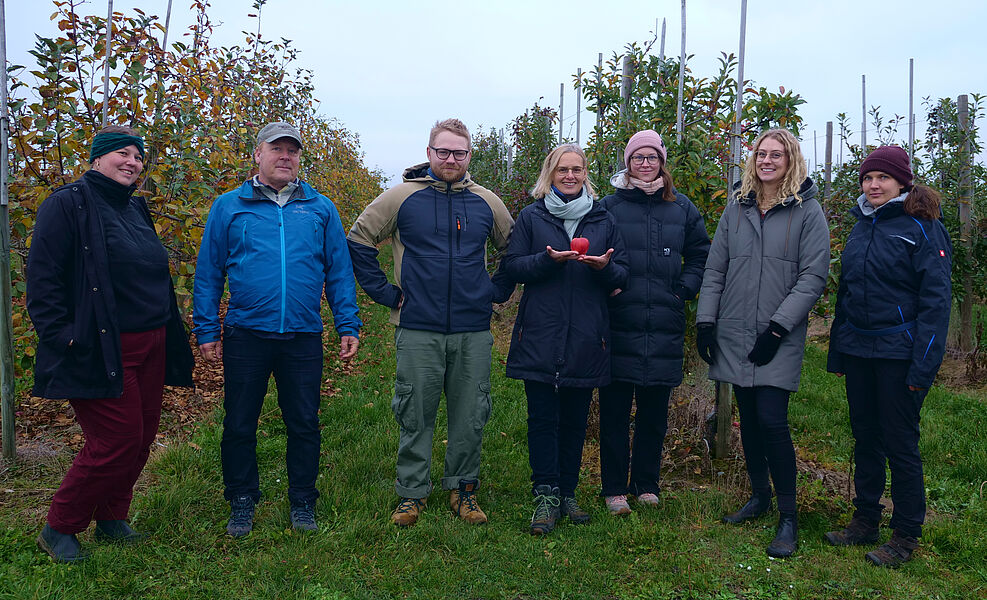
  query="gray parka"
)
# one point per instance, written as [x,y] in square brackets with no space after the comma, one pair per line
[763,270]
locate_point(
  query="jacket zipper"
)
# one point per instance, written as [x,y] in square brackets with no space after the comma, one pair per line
[284,291]
[449,291]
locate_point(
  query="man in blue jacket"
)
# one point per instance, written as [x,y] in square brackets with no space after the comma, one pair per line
[279,244]
[438,222]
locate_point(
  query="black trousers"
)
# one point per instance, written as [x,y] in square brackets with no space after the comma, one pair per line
[884,417]
[767,442]
[650,426]
[556,432]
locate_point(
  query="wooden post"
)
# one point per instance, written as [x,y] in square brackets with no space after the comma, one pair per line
[510,162]
[548,134]
[734,173]
[966,226]
[6,318]
[561,101]
[724,418]
[106,72]
[828,189]
[679,125]
[911,110]
[579,100]
[863,119]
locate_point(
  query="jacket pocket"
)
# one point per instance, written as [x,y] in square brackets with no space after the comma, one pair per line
[403,406]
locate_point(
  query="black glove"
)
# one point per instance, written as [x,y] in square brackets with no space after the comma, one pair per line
[706,341]
[767,344]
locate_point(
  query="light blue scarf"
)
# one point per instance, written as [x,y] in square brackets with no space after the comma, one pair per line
[570,212]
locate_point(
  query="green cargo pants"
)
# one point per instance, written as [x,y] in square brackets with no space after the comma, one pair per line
[429,363]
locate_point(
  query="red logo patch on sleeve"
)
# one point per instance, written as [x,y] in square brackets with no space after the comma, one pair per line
[942,253]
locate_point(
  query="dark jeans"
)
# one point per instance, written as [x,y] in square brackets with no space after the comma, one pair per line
[556,432]
[884,417]
[119,433]
[767,442]
[650,425]
[248,362]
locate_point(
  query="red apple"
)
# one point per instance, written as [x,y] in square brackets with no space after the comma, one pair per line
[580,245]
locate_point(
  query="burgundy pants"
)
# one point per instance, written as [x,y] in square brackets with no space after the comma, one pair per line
[119,433]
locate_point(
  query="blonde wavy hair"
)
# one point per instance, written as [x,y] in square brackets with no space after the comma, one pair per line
[790,183]
[544,184]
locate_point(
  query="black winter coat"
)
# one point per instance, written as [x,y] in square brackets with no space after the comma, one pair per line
[666,246]
[895,293]
[70,297]
[562,330]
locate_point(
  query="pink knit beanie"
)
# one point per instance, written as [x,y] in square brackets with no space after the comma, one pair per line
[648,138]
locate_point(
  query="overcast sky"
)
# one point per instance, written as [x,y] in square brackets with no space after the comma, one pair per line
[388,69]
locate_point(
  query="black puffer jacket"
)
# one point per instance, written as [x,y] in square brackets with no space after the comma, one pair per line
[895,292]
[666,246]
[70,297]
[562,330]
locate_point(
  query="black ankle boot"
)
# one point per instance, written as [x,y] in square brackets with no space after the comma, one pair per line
[786,540]
[755,507]
[117,532]
[62,547]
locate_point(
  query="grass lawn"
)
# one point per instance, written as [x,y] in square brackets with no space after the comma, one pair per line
[677,551]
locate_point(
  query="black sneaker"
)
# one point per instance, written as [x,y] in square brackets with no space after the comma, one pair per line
[858,532]
[241,516]
[570,508]
[117,532]
[896,552]
[303,517]
[546,509]
[62,547]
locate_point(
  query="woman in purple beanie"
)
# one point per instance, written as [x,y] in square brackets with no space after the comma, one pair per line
[888,339]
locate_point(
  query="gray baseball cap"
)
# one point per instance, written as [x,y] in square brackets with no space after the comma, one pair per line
[278,130]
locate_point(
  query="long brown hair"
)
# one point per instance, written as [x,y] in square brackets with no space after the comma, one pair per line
[923,202]
[667,194]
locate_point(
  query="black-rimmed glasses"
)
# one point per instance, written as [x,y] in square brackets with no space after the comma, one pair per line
[638,159]
[443,153]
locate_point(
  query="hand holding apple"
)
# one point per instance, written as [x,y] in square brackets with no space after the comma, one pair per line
[560,256]
[596,262]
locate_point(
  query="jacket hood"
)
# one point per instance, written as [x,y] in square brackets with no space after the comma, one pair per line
[868,211]
[420,174]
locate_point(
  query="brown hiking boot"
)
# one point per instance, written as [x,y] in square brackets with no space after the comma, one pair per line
[463,502]
[857,533]
[407,511]
[896,552]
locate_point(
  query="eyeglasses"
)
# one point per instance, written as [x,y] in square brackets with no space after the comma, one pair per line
[443,153]
[761,155]
[577,171]
[637,159]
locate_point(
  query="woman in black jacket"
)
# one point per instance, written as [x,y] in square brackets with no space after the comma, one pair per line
[666,245]
[100,295]
[561,341]
[888,338]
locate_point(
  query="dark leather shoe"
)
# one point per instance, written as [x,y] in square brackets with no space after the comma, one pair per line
[62,547]
[755,507]
[896,552]
[857,533]
[786,540]
[117,532]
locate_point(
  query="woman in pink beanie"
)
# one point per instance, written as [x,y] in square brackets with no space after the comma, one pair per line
[666,243]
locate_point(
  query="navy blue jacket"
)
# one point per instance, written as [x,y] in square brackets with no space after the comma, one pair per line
[895,294]
[562,330]
[438,233]
[70,297]
[666,246]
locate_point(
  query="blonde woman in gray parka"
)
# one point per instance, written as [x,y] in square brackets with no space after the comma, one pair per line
[766,268]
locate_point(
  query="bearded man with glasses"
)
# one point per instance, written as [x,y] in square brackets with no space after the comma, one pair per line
[438,221]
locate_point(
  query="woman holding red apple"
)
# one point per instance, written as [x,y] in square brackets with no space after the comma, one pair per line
[560,347]
[766,268]
[667,245]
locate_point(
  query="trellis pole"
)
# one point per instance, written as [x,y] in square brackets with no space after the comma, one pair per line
[6,318]
[106,48]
